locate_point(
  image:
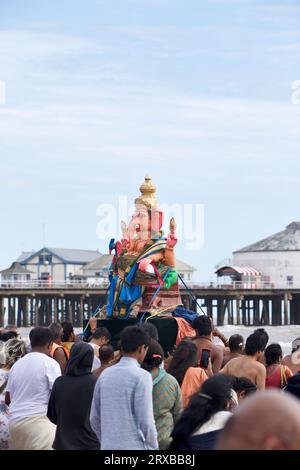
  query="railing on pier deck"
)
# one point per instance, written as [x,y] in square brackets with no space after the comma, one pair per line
[69,284]
[41,302]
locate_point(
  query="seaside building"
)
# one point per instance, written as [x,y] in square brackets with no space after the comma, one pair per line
[64,264]
[57,264]
[275,260]
[99,268]
[15,273]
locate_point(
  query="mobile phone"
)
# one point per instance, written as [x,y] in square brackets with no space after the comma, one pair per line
[205,355]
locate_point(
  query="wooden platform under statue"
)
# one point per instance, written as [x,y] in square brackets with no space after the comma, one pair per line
[167,330]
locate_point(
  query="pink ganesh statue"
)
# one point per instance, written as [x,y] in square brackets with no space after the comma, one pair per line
[143,273]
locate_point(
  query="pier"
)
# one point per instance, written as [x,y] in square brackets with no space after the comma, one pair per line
[39,305]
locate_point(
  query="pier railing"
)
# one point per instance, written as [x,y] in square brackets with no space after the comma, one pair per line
[45,284]
[77,284]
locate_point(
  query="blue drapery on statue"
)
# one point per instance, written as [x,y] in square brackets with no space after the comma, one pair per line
[127,294]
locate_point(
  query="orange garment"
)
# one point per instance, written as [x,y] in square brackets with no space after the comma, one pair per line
[193,379]
[279,377]
[184,329]
[55,347]
[67,345]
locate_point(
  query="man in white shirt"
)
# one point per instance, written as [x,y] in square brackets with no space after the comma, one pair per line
[100,337]
[28,392]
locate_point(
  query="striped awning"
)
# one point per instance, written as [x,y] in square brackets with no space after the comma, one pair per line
[241,270]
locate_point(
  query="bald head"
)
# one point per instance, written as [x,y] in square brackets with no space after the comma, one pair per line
[266,421]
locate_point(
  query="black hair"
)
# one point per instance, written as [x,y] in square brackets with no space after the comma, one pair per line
[8,335]
[132,337]
[243,384]
[297,347]
[263,334]
[213,397]
[101,332]
[150,329]
[56,330]
[68,330]
[255,343]
[106,353]
[185,356]
[154,356]
[273,354]
[203,325]
[10,327]
[40,337]
[236,343]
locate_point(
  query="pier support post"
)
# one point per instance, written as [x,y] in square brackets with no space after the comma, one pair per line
[238,311]
[295,309]
[19,314]
[244,313]
[256,312]
[208,303]
[32,311]
[276,311]
[48,311]
[55,309]
[13,312]
[193,305]
[221,311]
[25,303]
[36,311]
[1,312]
[248,312]
[286,308]
[266,312]
[80,311]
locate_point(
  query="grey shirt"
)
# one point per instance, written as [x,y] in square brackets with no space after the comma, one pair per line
[122,408]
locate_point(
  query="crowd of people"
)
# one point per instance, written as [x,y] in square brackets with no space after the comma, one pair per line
[64,392]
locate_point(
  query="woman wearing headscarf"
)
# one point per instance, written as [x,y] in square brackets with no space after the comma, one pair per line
[10,352]
[70,402]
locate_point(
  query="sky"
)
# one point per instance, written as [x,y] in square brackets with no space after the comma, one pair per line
[197,94]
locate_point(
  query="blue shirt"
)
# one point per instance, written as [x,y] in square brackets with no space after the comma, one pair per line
[122,409]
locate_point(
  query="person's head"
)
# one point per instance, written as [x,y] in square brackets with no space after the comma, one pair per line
[293,385]
[106,354]
[273,354]
[150,329]
[243,387]
[255,346]
[68,332]
[134,343]
[81,360]
[203,325]
[268,420]
[14,350]
[261,332]
[11,328]
[41,340]
[101,336]
[57,332]
[215,395]
[7,335]
[295,345]
[184,356]
[154,356]
[236,343]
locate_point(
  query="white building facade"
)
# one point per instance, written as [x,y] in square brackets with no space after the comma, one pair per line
[277,257]
[57,264]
